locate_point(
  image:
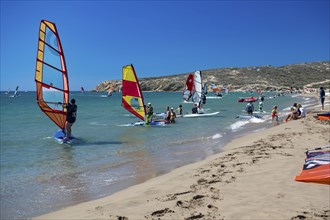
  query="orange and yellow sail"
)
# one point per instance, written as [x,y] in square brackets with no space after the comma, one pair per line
[316,168]
[132,98]
[51,74]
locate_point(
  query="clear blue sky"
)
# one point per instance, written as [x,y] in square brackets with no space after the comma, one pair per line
[161,37]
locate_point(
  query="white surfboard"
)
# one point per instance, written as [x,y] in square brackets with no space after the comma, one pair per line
[200,115]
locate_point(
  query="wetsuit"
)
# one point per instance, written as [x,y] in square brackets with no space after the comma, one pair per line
[72,113]
[194,110]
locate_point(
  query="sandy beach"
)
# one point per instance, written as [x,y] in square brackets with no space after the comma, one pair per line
[252,178]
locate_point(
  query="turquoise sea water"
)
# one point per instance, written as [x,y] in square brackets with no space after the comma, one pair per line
[39,175]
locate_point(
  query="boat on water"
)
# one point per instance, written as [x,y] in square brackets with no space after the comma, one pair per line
[51,77]
[316,168]
[132,97]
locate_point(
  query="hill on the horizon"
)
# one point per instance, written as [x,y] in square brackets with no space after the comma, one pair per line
[312,75]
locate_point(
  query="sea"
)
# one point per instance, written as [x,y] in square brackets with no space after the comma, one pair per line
[39,175]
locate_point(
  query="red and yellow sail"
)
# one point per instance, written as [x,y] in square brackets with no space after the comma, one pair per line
[317,167]
[132,98]
[51,74]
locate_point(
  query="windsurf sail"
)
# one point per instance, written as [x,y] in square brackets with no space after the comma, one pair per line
[316,168]
[200,91]
[214,88]
[110,91]
[51,75]
[132,98]
[82,90]
[16,91]
[189,88]
[196,97]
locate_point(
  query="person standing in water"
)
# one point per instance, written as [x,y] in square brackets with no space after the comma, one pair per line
[249,108]
[150,112]
[179,110]
[275,115]
[71,116]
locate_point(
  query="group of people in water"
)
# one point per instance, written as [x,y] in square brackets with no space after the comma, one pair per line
[170,114]
[297,112]
[249,108]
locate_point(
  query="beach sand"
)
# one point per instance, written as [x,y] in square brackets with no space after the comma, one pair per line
[252,178]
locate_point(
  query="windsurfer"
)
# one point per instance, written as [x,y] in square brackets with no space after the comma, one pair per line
[70,118]
[150,112]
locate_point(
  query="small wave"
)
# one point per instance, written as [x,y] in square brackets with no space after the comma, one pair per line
[287,109]
[98,123]
[126,125]
[216,136]
[256,120]
[238,124]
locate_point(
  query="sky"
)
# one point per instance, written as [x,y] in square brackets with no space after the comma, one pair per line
[161,37]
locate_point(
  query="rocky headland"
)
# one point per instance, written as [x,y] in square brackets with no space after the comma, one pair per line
[299,76]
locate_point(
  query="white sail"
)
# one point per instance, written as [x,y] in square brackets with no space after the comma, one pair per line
[196,98]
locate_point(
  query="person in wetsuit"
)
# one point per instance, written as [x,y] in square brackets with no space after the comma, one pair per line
[70,118]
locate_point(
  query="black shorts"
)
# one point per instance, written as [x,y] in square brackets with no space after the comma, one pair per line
[71,121]
[322,100]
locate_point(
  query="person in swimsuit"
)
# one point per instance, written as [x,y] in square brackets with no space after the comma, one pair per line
[275,115]
[172,116]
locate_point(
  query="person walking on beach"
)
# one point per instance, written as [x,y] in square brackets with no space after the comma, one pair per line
[322,97]
[275,115]
[150,113]
[70,118]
